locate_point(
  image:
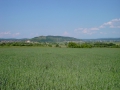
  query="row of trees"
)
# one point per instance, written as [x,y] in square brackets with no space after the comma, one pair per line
[69,45]
[99,44]
[90,45]
[76,45]
[29,44]
[21,44]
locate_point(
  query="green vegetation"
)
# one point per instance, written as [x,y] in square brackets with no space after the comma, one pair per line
[69,45]
[77,45]
[111,45]
[25,44]
[40,68]
[53,39]
[90,45]
[61,41]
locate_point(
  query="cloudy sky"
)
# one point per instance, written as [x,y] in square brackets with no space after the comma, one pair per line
[75,18]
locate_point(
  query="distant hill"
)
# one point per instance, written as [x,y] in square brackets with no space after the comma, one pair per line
[53,39]
[109,38]
[13,40]
[102,40]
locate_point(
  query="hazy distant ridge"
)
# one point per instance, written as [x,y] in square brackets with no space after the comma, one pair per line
[53,39]
[58,39]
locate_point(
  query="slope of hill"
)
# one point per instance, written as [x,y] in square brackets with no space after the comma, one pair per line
[102,40]
[53,39]
[13,40]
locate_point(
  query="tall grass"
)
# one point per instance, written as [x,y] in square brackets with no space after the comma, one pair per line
[30,68]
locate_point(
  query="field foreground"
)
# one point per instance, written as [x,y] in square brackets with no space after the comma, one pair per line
[34,68]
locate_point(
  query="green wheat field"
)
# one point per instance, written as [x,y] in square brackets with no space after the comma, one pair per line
[41,68]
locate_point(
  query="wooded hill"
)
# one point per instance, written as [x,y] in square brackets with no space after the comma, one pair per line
[56,39]
[53,39]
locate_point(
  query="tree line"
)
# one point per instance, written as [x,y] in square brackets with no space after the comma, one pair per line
[69,45]
[21,44]
[90,45]
[29,44]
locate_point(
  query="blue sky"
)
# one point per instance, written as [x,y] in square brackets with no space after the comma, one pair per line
[74,18]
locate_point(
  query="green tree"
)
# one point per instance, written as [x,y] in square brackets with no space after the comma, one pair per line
[72,45]
[57,45]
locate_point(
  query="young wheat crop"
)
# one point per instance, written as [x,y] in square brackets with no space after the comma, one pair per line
[34,68]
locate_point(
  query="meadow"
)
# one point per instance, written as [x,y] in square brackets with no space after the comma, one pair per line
[42,68]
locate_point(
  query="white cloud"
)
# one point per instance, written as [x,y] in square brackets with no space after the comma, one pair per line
[8,34]
[15,34]
[103,33]
[94,28]
[66,33]
[4,33]
[89,31]
[115,23]
[79,29]
[33,35]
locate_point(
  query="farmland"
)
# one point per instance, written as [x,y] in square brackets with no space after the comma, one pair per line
[44,68]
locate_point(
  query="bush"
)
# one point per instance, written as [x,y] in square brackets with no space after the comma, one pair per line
[57,45]
[50,45]
[72,45]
